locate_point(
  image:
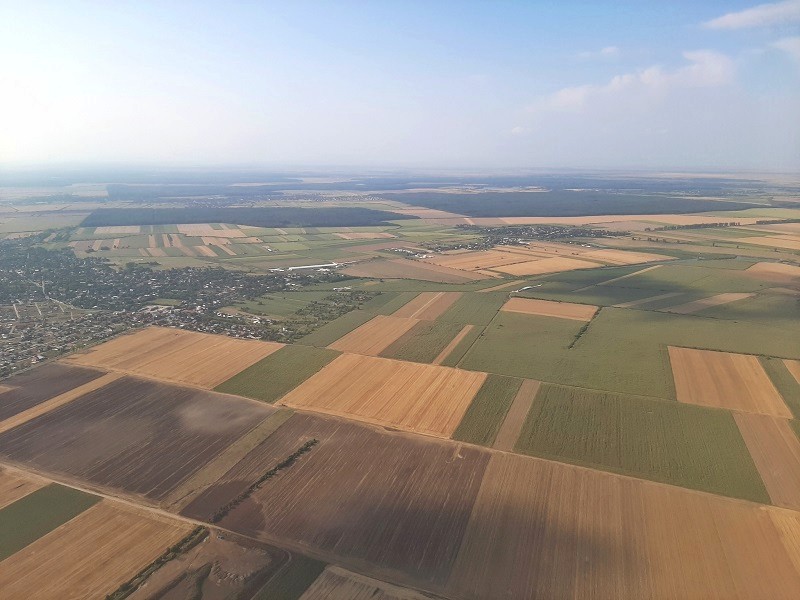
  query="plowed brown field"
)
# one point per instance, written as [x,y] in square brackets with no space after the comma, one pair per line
[548,308]
[546,530]
[428,306]
[725,380]
[424,398]
[139,436]
[390,500]
[197,359]
[775,449]
[374,336]
[89,556]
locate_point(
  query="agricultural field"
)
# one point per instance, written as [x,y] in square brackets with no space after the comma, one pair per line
[392,500]
[725,380]
[90,555]
[660,440]
[338,584]
[423,398]
[488,410]
[426,342]
[177,356]
[272,377]
[547,308]
[144,437]
[540,529]
[374,336]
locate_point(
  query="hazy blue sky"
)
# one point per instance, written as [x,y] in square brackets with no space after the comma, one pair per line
[703,84]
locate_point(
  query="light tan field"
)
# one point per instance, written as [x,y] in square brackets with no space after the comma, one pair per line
[452,345]
[401,268]
[784,241]
[197,359]
[151,241]
[779,272]
[374,336]
[365,235]
[547,265]
[428,306]
[515,418]
[205,251]
[60,400]
[725,380]
[542,529]
[204,229]
[474,261]
[794,368]
[118,229]
[14,486]
[215,241]
[622,257]
[548,308]
[692,307]
[337,584]
[424,398]
[89,556]
[775,449]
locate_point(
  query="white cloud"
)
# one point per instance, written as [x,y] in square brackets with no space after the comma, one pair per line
[608,52]
[790,45]
[763,15]
[706,68]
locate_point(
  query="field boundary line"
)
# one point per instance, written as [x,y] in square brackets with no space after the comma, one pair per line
[60,400]
[615,279]
[452,345]
[515,418]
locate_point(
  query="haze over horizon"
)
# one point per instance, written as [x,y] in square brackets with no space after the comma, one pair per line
[415,85]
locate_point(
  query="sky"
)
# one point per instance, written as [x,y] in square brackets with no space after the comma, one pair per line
[706,85]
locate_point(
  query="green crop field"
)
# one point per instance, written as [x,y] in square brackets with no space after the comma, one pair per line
[485,414]
[33,516]
[292,580]
[273,376]
[622,350]
[475,308]
[681,444]
[423,342]
[452,359]
[787,385]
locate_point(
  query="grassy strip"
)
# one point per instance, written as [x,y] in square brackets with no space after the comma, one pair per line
[423,342]
[327,334]
[485,414]
[284,464]
[197,535]
[37,514]
[690,446]
[275,375]
[292,580]
[462,347]
[787,385]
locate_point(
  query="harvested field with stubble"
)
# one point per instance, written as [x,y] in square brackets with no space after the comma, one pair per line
[428,306]
[175,355]
[546,265]
[548,308]
[725,380]
[89,556]
[336,583]
[776,452]
[31,388]
[402,268]
[14,486]
[391,500]
[135,435]
[547,530]
[374,336]
[423,398]
[777,272]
